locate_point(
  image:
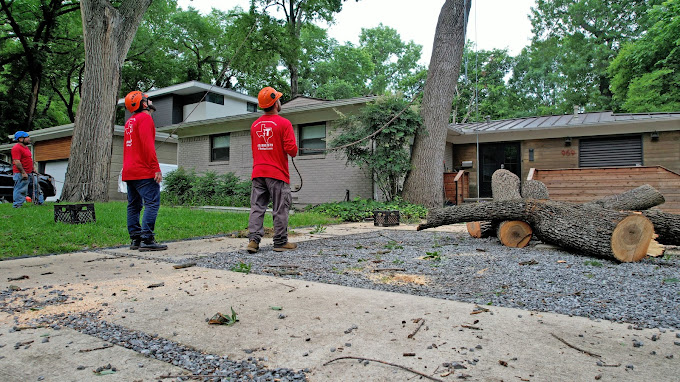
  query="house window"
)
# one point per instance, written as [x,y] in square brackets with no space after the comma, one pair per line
[251,107]
[312,136]
[219,147]
[215,98]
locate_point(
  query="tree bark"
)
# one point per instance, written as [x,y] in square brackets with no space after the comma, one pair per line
[504,186]
[108,33]
[534,189]
[637,199]
[666,225]
[596,232]
[424,184]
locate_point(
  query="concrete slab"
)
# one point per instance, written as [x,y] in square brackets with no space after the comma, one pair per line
[322,322]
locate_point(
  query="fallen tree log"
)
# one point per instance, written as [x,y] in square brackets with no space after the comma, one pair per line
[597,232]
[514,233]
[666,225]
[481,229]
[637,199]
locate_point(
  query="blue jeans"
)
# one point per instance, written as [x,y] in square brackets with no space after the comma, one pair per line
[142,193]
[24,187]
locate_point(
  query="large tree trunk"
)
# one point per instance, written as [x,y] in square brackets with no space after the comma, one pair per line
[425,182]
[597,232]
[108,33]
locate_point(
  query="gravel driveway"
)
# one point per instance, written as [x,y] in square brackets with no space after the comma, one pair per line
[455,266]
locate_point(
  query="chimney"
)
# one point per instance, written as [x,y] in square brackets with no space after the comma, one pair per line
[576,110]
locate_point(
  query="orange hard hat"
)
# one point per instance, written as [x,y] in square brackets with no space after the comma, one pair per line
[267,97]
[133,101]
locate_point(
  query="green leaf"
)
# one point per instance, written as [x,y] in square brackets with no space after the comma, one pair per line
[277,308]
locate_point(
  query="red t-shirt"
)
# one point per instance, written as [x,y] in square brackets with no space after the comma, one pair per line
[139,151]
[272,140]
[23,154]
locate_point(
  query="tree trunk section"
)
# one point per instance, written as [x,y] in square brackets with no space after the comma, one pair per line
[108,33]
[595,232]
[425,182]
[666,225]
[514,233]
[481,229]
[505,186]
[637,199]
[534,189]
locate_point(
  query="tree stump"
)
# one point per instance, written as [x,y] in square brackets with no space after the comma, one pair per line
[481,229]
[514,233]
[596,232]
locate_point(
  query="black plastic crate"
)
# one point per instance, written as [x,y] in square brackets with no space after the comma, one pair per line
[385,218]
[74,213]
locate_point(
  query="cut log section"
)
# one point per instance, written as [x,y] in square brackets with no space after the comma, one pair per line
[514,233]
[534,189]
[504,186]
[637,199]
[481,229]
[595,232]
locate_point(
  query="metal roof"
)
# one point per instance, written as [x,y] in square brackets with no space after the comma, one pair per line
[557,121]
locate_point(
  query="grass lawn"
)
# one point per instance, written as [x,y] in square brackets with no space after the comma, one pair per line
[31,230]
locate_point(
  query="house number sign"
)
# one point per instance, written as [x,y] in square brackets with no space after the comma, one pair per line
[568,152]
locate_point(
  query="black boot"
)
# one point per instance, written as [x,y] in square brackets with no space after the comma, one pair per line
[151,245]
[136,241]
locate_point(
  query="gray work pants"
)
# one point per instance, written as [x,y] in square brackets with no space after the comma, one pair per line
[263,190]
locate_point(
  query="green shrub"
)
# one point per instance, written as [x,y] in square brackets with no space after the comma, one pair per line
[191,189]
[360,209]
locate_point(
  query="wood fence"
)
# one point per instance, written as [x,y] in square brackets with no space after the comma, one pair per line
[581,185]
[456,186]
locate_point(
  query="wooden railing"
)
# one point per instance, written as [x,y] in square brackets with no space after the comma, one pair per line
[581,185]
[456,186]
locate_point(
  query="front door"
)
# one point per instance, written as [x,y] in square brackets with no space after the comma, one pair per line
[494,156]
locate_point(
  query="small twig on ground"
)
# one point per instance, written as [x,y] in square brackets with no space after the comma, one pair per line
[185,265]
[386,363]
[158,285]
[422,322]
[479,309]
[574,347]
[471,327]
[93,349]
[389,270]
[194,376]
[282,266]
[20,328]
[24,277]
[289,286]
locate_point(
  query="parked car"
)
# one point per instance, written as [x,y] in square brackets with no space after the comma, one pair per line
[45,181]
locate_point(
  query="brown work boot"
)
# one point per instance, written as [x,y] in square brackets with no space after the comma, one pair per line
[286,247]
[253,246]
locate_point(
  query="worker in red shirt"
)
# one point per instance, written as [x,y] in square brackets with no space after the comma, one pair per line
[141,172]
[25,180]
[272,141]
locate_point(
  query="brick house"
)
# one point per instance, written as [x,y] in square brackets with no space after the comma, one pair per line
[580,156]
[222,145]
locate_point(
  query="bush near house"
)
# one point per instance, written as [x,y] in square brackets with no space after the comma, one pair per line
[360,209]
[187,188]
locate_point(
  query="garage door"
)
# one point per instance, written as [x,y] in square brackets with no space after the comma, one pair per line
[58,170]
[610,152]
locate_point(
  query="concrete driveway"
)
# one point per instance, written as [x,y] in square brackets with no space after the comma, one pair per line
[316,324]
